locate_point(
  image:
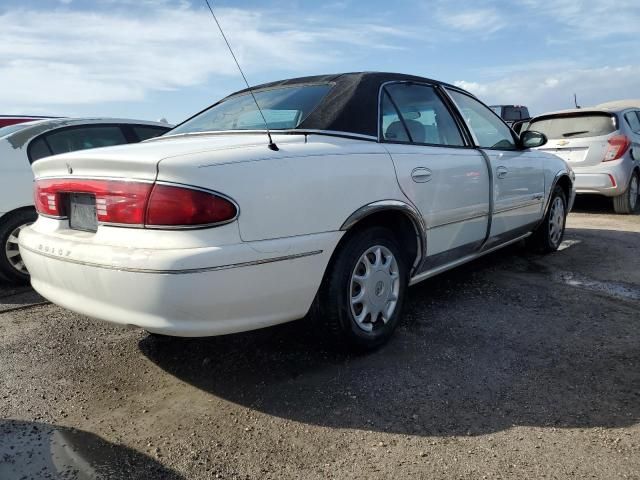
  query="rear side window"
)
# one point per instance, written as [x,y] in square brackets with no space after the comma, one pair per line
[513,114]
[38,149]
[144,132]
[633,121]
[415,113]
[575,125]
[489,131]
[82,138]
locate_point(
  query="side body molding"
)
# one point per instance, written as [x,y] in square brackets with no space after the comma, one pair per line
[398,205]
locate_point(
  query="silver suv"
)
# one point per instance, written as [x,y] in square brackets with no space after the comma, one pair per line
[602,145]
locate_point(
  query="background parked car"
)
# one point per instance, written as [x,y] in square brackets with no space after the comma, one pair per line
[6,120]
[602,145]
[511,113]
[23,144]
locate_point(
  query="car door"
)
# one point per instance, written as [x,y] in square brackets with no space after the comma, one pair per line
[437,170]
[517,174]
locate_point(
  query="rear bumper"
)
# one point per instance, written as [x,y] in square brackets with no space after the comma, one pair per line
[182,291]
[608,178]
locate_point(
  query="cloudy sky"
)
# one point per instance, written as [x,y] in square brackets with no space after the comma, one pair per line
[164,58]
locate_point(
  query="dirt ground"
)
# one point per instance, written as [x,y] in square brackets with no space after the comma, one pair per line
[513,366]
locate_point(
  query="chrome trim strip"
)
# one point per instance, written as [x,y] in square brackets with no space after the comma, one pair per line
[456,263]
[294,131]
[176,272]
[516,207]
[460,220]
[385,205]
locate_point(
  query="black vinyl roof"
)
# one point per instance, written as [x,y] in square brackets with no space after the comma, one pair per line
[351,105]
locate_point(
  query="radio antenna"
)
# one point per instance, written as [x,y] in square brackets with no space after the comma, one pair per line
[272,145]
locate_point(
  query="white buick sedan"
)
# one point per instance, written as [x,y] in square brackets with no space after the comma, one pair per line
[373,182]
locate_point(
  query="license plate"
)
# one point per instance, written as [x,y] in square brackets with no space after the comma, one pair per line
[83,212]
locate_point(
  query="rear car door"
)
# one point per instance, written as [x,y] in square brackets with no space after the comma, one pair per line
[517,174]
[437,170]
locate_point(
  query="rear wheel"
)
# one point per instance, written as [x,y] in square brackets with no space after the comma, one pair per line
[361,299]
[11,265]
[548,236]
[628,202]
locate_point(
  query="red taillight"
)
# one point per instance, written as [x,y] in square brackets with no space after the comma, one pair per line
[136,203]
[618,145]
[117,201]
[175,206]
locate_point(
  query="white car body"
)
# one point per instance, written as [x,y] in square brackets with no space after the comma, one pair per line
[295,205]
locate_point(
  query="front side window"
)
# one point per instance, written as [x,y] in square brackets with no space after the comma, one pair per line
[283,108]
[82,138]
[489,131]
[416,114]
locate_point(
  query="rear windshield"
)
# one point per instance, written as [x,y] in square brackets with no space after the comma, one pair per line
[575,126]
[283,108]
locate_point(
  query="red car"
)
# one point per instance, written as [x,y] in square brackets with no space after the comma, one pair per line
[13,119]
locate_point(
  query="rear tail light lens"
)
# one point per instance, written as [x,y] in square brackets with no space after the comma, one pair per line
[137,203]
[177,206]
[618,145]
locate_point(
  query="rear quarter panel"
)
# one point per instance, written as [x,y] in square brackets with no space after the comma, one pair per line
[302,189]
[16,178]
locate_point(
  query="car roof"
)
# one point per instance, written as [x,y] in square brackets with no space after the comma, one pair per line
[352,103]
[32,129]
[608,107]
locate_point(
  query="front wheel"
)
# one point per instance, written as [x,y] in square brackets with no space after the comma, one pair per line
[548,236]
[628,202]
[361,299]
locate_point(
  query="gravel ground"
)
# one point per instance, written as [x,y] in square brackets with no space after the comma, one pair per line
[514,366]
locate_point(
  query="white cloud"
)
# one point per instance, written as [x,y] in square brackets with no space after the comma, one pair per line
[591,18]
[543,91]
[483,20]
[65,56]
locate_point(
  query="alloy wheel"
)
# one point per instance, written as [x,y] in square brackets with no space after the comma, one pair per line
[374,288]
[556,221]
[12,250]
[633,192]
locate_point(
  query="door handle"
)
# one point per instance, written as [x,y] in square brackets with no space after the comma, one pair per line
[502,172]
[421,175]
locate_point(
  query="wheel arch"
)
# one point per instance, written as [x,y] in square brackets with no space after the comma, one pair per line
[11,213]
[402,218]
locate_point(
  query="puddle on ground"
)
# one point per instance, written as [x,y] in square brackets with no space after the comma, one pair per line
[614,289]
[40,451]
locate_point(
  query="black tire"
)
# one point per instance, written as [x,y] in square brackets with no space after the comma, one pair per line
[625,204]
[333,309]
[7,226]
[544,238]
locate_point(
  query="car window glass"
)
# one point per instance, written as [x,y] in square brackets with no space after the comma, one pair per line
[144,132]
[72,139]
[633,121]
[38,149]
[512,114]
[425,117]
[397,132]
[576,125]
[488,129]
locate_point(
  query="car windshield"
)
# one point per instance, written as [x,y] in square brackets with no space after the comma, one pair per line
[9,129]
[575,126]
[283,108]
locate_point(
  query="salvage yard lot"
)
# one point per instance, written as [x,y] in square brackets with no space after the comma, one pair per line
[514,366]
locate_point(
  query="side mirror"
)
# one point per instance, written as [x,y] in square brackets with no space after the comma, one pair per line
[532,139]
